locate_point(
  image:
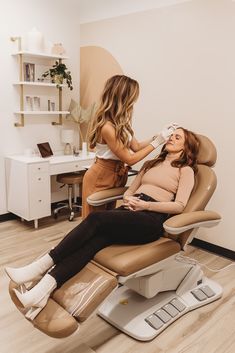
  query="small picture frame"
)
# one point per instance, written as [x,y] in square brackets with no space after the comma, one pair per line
[29,72]
[45,149]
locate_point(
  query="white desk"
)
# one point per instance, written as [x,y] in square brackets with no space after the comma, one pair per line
[29,183]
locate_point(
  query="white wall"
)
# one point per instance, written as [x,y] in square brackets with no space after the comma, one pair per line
[58,20]
[183,57]
[94,10]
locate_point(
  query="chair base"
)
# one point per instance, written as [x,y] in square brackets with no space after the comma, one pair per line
[65,206]
[144,319]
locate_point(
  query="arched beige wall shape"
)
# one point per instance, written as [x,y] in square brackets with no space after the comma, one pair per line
[96,66]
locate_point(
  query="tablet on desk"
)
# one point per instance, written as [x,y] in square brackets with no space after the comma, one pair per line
[45,149]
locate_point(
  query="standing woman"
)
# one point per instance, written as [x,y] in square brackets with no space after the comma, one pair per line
[111,134]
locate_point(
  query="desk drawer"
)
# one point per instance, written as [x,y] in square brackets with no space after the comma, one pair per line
[39,179]
[39,196]
[38,168]
[69,167]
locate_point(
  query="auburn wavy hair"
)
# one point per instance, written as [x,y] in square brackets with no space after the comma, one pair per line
[188,156]
[117,100]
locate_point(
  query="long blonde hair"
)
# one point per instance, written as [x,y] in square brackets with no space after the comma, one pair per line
[117,100]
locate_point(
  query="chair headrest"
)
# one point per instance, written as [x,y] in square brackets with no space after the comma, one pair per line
[207,151]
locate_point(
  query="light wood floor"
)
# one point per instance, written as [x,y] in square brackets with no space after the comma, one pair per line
[209,329]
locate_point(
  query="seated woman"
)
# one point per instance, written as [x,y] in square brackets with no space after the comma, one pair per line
[162,187]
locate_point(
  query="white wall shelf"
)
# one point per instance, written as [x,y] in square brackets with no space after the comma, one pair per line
[40,55]
[42,112]
[41,84]
[21,54]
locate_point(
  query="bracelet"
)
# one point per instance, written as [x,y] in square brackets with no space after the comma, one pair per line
[153,138]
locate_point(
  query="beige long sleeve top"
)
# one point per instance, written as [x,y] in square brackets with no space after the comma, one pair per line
[169,185]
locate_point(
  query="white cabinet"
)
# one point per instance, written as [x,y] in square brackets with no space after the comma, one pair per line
[28,189]
[24,57]
[39,190]
[29,182]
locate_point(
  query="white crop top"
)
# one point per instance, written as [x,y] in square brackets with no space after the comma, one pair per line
[104,152]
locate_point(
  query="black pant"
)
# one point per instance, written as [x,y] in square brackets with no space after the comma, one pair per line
[99,230]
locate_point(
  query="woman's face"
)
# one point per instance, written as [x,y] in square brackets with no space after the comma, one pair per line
[176,142]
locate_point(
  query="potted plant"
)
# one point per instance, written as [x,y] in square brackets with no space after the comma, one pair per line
[58,73]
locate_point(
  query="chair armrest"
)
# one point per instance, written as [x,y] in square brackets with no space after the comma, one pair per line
[105,196]
[189,220]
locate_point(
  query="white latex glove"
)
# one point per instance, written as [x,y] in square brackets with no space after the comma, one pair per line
[157,141]
[164,135]
[168,130]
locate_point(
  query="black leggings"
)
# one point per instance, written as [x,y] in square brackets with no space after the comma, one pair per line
[99,230]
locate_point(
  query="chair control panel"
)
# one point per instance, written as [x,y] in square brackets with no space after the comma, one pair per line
[168,312]
[165,313]
[203,293]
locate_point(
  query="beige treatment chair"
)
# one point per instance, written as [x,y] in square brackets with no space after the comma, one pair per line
[142,288]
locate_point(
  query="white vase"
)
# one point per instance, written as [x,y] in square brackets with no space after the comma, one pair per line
[84,149]
[35,41]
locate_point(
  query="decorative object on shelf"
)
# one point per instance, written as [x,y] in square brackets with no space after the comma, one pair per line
[80,115]
[29,72]
[58,49]
[36,103]
[50,105]
[35,41]
[67,138]
[58,73]
[28,103]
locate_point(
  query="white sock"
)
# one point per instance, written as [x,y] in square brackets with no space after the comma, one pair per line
[30,272]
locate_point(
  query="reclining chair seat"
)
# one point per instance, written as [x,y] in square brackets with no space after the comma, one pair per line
[82,294]
[127,259]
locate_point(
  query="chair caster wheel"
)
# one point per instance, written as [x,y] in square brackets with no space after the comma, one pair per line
[71,217]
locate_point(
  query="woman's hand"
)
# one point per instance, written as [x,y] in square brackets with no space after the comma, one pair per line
[135,204]
[126,201]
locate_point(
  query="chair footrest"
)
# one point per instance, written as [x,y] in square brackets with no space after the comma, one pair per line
[53,320]
[82,294]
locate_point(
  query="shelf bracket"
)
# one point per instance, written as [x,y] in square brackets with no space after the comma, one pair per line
[60,108]
[14,39]
[59,122]
[21,123]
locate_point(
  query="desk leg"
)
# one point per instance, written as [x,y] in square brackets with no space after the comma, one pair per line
[36,223]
